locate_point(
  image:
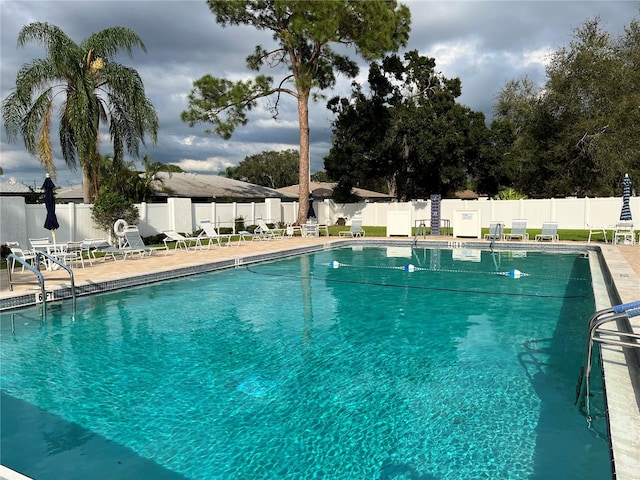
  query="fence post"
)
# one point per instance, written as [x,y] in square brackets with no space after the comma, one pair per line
[180,214]
[235,215]
[73,231]
[273,211]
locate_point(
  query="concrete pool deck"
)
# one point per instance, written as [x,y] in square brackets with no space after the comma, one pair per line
[621,274]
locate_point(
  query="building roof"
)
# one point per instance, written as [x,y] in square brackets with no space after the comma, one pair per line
[466,195]
[12,187]
[18,189]
[212,186]
[194,186]
[322,190]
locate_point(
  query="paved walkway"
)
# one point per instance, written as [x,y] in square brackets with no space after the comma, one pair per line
[631,253]
[159,261]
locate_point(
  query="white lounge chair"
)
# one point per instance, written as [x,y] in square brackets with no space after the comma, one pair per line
[93,246]
[135,244]
[264,232]
[518,230]
[355,230]
[180,241]
[209,235]
[496,230]
[244,235]
[549,232]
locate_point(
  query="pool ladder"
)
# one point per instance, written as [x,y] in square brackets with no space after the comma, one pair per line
[420,230]
[496,235]
[36,271]
[597,333]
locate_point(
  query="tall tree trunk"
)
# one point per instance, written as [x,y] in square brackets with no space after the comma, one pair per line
[91,179]
[392,186]
[90,163]
[303,184]
[86,187]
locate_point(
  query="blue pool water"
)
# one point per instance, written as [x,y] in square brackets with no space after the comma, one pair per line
[344,364]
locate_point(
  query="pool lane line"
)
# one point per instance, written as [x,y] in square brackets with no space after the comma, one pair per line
[415,287]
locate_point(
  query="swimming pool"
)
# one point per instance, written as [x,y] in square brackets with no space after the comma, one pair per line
[351,363]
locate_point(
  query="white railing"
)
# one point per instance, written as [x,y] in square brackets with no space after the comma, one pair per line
[21,221]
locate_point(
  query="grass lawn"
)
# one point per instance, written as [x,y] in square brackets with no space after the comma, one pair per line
[565,235]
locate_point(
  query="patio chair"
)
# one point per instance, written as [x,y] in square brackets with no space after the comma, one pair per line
[518,230]
[624,233]
[180,241]
[549,232]
[496,231]
[596,231]
[26,255]
[264,232]
[40,244]
[310,229]
[55,251]
[134,243]
[290,230]
[355,230]
[210,234]
[74,254]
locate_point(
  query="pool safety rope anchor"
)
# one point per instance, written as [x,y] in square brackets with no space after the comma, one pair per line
[514,273]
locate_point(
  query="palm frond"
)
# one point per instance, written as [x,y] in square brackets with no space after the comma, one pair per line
[110,41]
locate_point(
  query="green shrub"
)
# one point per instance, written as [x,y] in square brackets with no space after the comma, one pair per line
[111,206]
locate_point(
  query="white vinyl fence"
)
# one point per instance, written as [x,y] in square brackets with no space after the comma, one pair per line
[19,221]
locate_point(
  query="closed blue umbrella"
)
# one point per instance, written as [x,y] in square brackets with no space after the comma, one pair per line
[625,214]
[311,213]
[51,222]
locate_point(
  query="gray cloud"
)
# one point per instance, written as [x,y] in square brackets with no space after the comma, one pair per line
[483,43]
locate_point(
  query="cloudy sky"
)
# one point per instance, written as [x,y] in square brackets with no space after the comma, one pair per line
[483,43]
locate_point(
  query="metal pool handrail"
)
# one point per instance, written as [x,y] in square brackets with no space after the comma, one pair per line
[597,320]
[24,263]
[39,275]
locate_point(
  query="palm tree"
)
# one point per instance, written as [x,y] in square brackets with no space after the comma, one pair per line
[148,178]
[123,178]
[91,90]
